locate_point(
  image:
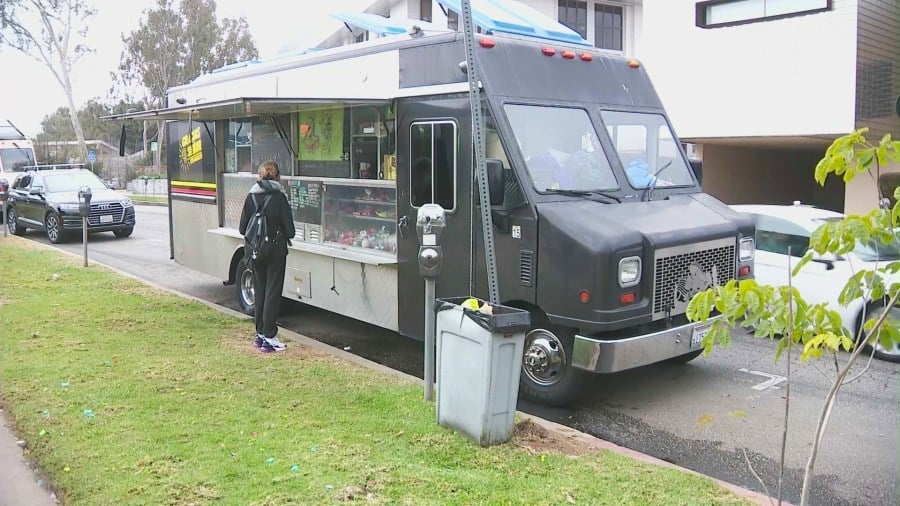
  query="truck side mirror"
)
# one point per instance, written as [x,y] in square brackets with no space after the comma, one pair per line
[495,180]
[697,167]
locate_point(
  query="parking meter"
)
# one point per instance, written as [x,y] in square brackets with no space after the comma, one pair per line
[84,201]
[84,209]
[430,223]
[4,194]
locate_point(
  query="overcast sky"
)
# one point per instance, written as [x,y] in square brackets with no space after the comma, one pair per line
[28,91]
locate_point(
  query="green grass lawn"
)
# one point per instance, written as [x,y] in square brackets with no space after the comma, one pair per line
[128,395]
[150,199]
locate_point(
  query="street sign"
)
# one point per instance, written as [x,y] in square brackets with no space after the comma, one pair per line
[92,156]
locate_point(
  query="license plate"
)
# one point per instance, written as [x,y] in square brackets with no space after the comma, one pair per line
[698,334]
[106,218]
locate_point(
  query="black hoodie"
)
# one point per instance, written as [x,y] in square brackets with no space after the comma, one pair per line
[278,211]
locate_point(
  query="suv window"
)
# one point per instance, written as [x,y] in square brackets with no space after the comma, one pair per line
[22,182]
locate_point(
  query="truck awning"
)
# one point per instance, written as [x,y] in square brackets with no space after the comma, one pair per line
[240,108]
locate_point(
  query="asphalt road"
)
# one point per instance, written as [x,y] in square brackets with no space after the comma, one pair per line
[704,415]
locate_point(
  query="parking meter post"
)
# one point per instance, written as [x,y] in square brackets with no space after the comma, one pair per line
[84,209]
[430,224]
[4,196]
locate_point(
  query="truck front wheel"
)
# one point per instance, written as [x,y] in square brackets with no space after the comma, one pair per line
[547,373]
[246,294]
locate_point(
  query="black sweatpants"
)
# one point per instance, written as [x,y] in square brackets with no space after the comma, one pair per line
[268,281]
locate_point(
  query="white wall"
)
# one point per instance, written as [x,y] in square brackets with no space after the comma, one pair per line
[794,76]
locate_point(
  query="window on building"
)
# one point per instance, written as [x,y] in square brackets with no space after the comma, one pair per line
[433,148]
[715,13]
[573,14]
[425,10]
[608,26]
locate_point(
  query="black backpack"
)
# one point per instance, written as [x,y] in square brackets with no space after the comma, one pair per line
[259,240]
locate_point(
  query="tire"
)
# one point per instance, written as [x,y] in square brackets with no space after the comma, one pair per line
[246,294]
[891,354]
[12,222]
[547,374]
[123,232]
[53,228]
[683,359]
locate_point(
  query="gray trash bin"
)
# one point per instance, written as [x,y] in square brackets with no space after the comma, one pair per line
[479,358]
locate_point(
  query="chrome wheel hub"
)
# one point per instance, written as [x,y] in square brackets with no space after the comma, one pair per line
[52,228]
[544,361]
[248,293]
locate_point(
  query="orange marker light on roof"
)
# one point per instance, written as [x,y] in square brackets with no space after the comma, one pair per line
[548,51]
[587,56]
[486,42]
[569,55]
[634,63]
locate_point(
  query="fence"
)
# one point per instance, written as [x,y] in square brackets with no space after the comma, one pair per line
[155,187]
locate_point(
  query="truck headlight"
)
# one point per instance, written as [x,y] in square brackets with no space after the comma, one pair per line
[629,271]
[746,249]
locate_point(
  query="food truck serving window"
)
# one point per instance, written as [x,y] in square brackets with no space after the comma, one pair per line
[560,148]
[433,148]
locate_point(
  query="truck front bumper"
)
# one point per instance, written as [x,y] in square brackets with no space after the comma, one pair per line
[600,356]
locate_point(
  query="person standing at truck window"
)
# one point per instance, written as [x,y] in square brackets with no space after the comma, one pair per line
[268,276]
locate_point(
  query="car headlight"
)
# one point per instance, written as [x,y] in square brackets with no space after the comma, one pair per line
[746,249]
[127,203]
[68,207]
[629,271]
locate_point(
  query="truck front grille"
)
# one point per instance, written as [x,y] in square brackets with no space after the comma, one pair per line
[682,271]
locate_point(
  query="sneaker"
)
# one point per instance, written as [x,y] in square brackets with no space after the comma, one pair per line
[259,341]
[275,344]
[265,348]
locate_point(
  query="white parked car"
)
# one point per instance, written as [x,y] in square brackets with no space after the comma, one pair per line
[779,228]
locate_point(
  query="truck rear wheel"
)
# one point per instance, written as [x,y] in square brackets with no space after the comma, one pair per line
[547,373]
[246,294]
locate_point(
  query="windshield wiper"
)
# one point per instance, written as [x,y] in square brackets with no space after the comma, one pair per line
[584,193]
[567,192]
[648,191]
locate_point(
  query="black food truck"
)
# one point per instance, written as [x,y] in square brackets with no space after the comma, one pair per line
[601,229]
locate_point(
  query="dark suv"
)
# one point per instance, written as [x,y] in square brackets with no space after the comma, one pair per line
[48,201]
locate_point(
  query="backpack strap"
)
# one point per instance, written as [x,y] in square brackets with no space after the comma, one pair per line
[261,207]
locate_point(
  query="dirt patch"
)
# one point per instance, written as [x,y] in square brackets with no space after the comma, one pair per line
[536,439]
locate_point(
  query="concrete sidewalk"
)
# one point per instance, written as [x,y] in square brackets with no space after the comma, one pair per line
[19,484]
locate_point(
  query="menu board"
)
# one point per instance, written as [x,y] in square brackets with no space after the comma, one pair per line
[267,143]
[305,198]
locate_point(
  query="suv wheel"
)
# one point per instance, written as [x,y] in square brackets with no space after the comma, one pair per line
[12,222]
[123,232]
[53,227]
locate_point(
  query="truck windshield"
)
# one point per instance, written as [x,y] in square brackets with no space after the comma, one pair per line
[560,148]
[15,159]
[647,149]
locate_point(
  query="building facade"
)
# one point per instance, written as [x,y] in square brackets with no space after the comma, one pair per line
[756,88]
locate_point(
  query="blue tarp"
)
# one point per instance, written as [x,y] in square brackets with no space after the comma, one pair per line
[382,25]
[509,16]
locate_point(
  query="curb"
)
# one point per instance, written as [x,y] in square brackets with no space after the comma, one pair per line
[561,431]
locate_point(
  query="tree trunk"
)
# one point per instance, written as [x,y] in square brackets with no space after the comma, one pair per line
[73,115]
[160,135]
